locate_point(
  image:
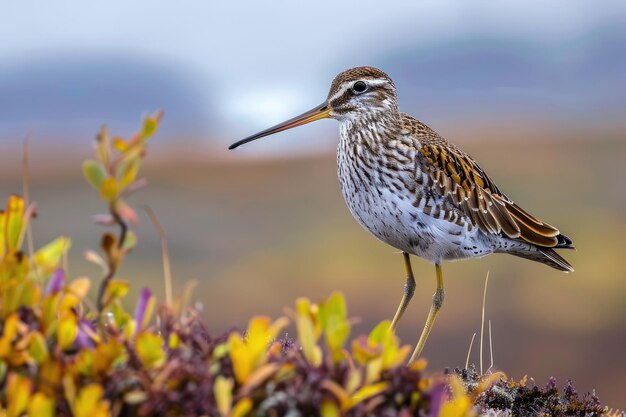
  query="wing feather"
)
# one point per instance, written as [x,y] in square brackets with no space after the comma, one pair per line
[470,189]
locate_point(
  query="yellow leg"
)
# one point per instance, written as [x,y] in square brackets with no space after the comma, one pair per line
[409,290]
[434,309]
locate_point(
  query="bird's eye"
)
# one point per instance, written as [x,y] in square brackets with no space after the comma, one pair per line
[359,87]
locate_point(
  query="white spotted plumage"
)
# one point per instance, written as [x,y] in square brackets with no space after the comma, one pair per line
[389,212]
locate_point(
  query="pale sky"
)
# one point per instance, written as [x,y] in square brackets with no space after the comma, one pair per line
[268,60]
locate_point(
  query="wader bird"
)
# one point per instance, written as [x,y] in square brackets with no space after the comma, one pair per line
[417,192]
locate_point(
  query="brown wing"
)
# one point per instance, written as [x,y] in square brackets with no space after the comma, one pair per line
[470,189]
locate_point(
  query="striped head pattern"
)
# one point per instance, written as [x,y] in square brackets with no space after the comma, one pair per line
[361,91]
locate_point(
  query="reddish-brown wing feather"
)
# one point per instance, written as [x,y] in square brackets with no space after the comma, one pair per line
[469,188]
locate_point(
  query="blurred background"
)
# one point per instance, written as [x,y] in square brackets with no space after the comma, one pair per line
[535,91]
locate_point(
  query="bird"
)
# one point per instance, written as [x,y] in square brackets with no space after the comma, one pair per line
[417,192]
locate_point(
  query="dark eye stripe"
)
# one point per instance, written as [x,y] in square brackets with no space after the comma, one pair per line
[349,95]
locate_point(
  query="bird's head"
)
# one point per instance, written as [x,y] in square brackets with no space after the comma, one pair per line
[361,92]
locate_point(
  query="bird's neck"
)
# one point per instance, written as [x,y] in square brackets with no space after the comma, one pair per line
[370,129]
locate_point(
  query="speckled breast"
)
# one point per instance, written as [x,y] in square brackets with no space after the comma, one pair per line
[388,202]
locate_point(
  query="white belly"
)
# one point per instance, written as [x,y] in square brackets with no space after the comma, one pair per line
[393,219]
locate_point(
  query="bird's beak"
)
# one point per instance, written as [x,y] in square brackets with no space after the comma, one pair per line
[319,112]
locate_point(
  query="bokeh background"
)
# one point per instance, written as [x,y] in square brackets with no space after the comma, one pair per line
[535,91]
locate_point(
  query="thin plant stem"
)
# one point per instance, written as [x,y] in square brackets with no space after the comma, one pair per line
[112,268]
[490,348]
[165,255]
[469,351]
[482,323]
[25,195]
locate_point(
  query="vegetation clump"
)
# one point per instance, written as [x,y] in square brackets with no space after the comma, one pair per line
[62,354]
[508,397]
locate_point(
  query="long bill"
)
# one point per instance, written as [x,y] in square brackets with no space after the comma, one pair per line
[319,112]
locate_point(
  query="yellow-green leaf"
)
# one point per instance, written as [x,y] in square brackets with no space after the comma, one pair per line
[109,189]
[329,409]
[68,302]
[15,225]
[41,406]
[149,348]
[368,391]
[127,170]
[49,307]
[353,381]
[18,394]
[47,258]
[460,405]
[174,341]
[94,172]
[335,324]
[392,353]
[223,391]
[10,294]
[37,347]
[336,305]
[9,332]
[242,408]
[3,369]
[84,362]
[3,217]
[69,388]
[119,144]
[312,352]
[31,293]
[306,333]
[251,354]
[258,337]
[380,333]
[89,402]
[373,369]
[150,125]
[120,318]
[115,290]
[108,355]
[67,330]
[240,357]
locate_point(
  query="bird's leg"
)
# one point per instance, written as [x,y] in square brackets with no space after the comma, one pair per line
[409,290]
[434,309]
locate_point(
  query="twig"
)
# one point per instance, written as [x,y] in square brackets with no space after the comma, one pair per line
[103,286]
[469,351]
[482,323]
[123,226]
[112,267]
[165,255]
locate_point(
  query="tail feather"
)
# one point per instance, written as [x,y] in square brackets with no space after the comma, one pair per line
[545,256]
[556,261]
[564,242]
